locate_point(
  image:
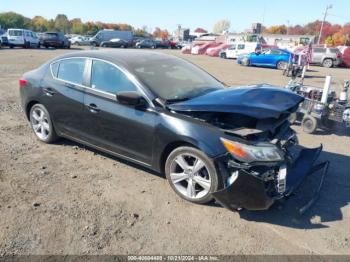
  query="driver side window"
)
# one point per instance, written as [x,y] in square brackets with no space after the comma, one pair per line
[107,78]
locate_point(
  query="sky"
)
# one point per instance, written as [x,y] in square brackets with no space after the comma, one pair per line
[189,13]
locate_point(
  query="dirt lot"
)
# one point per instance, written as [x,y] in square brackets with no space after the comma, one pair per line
[68,199]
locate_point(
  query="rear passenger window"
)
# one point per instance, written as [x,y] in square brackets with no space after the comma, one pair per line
[106,77]
[71,70]
[319,50]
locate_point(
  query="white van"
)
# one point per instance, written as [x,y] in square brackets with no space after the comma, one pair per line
[239,48]
[22,37]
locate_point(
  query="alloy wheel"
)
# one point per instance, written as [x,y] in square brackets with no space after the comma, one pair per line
[40,123]
[190,176]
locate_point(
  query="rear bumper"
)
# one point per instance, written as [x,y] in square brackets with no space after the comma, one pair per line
[251,191]
[51,43]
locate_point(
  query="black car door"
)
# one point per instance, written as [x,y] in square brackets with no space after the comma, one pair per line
[119,128]
[63,94]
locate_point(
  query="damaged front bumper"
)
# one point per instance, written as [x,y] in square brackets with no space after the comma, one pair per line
[253,192]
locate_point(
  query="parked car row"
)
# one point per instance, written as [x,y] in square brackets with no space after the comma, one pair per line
[256,54]
[29,39]
[104,38]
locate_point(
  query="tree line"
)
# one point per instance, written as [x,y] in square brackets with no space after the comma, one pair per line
[74,26]
[332,34]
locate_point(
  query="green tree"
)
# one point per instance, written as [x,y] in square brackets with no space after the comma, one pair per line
[40,24]
[62,23]
[13,20]
[78,27]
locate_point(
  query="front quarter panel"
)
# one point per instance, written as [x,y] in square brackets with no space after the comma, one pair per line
[177,129]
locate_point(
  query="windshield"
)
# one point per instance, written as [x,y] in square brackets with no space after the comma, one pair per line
[175,79]
[50,35]
[15,32]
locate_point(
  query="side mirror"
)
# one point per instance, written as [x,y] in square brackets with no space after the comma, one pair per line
[130,98]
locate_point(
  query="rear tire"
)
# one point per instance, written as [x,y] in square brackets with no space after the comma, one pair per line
[309,124]
[328,63]
[223,55]
[41,124]
[189,182]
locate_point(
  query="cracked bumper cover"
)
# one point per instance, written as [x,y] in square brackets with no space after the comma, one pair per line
[249,191]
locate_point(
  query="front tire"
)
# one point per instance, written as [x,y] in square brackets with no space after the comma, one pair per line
[328,63]
[191,174]
[41,124]
[245,62]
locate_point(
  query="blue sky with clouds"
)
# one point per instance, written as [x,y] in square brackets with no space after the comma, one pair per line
[188,13]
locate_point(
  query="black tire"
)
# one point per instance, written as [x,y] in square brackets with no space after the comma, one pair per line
[27,45]
[46,46]
[245,61]
[281,65]
[38,46]
[215,179]
[11,46]
[309,124]
[52,136]
[328,63]
[223,55]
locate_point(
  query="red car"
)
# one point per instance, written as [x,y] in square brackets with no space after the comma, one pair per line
[200,50]
[214,51]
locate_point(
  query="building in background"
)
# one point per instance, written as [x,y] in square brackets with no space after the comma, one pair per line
[199,32]
[181,34]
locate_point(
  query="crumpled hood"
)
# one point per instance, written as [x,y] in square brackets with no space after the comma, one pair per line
[259,101]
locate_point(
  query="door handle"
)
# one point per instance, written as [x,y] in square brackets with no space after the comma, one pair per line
[69,85]
[93,108]
[49,91]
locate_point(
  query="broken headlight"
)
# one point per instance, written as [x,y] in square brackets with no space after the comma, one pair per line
[252,153]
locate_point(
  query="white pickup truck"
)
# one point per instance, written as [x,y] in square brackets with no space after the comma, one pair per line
[239,48]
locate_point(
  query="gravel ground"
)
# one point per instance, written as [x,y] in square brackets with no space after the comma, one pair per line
[68,199]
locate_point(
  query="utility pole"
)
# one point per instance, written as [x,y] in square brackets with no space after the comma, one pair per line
[324,19]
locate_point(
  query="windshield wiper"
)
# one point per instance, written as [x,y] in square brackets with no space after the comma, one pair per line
[176,100]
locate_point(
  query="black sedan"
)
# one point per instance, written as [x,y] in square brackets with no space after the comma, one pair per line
[116,42]
[234,145]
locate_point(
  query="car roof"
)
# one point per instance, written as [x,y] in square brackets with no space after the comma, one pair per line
[128,58]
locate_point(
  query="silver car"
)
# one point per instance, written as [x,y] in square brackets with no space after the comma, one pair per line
[327,57]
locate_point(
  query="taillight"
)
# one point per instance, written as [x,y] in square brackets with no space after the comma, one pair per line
[22,83]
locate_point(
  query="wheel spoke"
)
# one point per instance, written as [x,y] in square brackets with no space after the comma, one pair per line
[46,126]
[204,183]
[191,192]
[36,127]
[36,116]
[41,115]
[180,160]
[178,177]
[198,165]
